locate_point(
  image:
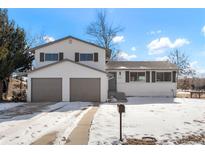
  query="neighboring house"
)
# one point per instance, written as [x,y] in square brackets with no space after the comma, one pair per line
[70,69]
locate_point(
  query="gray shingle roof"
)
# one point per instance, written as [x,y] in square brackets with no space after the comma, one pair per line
[62,39]
[124,65]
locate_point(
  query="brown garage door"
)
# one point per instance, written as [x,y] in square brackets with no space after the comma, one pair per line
[85,89]
[46,89]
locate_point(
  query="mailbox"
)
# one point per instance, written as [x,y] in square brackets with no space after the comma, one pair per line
[121,108]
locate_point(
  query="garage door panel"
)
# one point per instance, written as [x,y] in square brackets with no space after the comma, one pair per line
[46,89]
[85,89]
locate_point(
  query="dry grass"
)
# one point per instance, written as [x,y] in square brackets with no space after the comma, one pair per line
[14,86]
[183,95]
[187,95]
[196,139]
[190,139]
[143,141]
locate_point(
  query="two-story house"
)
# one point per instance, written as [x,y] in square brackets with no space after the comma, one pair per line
[70,69]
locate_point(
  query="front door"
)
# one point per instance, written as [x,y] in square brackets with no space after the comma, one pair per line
[113,82]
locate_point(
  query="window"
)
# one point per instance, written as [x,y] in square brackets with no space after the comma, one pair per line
[86,57]
[159,76]
[163,76]
[51,57]
[167,76]
[137,76]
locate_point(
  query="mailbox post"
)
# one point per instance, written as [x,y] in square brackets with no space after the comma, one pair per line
[121,109]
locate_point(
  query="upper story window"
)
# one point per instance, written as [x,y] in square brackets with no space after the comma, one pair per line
[51,56]
[163,76]
[86,57]
[137,76]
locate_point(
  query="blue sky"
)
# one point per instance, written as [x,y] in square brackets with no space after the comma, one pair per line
[149,34]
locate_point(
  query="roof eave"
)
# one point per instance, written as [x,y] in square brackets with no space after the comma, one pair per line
[49,65]
[62,39]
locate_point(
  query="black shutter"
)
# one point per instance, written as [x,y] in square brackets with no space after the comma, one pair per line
[153,76]
[96,57]
[61,56]
[147,76]
[174,76]
[76,57]
[127,76]
[41,57]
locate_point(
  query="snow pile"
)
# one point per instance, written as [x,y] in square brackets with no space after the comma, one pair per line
[63,118]
[165,119]
[6,106]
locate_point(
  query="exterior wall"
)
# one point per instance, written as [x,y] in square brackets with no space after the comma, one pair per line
[67,70]
[142,88]
[69,52]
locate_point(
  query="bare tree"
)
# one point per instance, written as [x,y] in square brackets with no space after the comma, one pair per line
[182,62]
[103,33]
[34,39]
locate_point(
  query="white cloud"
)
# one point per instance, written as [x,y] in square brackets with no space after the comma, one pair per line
[155,32]
[200,71]
[203,30]
[48,39]
[193,64]
[159,45]
[133,49]
[123,56]
[118,39]
[164,58]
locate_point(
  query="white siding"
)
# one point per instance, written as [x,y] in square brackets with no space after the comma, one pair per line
[69,52]
[67,70]
[144,88]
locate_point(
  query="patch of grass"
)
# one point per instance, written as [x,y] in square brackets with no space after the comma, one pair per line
[190,139]
[143,141]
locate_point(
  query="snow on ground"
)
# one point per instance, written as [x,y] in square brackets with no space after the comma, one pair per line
[61,118]
[6,106]
[166,119]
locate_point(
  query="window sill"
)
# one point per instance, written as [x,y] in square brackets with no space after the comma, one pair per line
[50,60]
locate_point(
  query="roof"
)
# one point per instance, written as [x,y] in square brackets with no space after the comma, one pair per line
[143,65]
[62,39]
[68,60]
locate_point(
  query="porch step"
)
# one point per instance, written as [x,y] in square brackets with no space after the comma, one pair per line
[120,96]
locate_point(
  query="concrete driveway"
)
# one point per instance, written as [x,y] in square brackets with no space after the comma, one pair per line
[27,123]
[25,109]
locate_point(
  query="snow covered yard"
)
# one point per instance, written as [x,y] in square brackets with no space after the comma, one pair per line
[60,118]
[165,119]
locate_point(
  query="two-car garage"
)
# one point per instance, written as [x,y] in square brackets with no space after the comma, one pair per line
[64,82]
[50,89]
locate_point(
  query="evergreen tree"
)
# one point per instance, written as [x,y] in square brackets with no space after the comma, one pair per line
[13,48]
